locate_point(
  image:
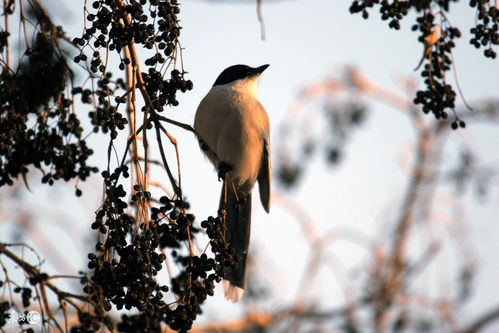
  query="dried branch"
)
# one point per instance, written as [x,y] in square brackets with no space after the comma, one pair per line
[263,320]
[260,18]
[393,272]
[34,272]
[482,321]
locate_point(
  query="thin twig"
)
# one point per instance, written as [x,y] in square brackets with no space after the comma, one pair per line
[260,18]
[173,141]
[176,189]
[32,271]
[454,70]
[482,321]
[177,123]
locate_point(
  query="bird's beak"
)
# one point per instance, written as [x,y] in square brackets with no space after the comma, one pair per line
[259,70]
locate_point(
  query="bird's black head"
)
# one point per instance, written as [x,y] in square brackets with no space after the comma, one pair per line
[237,72]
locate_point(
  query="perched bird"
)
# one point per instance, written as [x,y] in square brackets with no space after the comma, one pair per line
[233,132]
[429,41]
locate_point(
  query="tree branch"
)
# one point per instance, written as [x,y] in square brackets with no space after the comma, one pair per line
[484,320]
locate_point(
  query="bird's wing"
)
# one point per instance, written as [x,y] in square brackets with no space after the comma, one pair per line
[265,177]
[209,121]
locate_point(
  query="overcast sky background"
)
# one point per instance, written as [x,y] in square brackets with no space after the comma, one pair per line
[308,41]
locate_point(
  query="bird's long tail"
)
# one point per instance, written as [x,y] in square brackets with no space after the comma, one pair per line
[237,233]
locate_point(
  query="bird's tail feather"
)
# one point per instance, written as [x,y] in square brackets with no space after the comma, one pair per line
[237,234]
[232,293]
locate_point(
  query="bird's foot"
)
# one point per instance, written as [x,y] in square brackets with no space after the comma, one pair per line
[223,168]
[239,203]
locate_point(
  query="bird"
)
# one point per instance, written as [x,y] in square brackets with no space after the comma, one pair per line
[234,133]
[429,41]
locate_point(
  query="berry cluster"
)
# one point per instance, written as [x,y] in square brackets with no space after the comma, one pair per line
[438,97]
[125,261]
[224,255]
[163,92]
[3,40]
[129,254]
[393,11]
[486,32]
[26,293]
[118,26]
[4,307]
[37,124]
[142,322]
[172,234]
[152,24]
[362,7]
[341,118]
[128,258]
[104,116]
[194,284]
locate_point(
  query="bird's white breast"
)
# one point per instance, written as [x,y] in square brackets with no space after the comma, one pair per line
[233,123]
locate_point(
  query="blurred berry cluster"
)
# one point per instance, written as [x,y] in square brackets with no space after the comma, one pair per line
[341,119]
[38,126]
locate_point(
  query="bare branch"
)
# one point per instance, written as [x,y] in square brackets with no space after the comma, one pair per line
[482,321]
